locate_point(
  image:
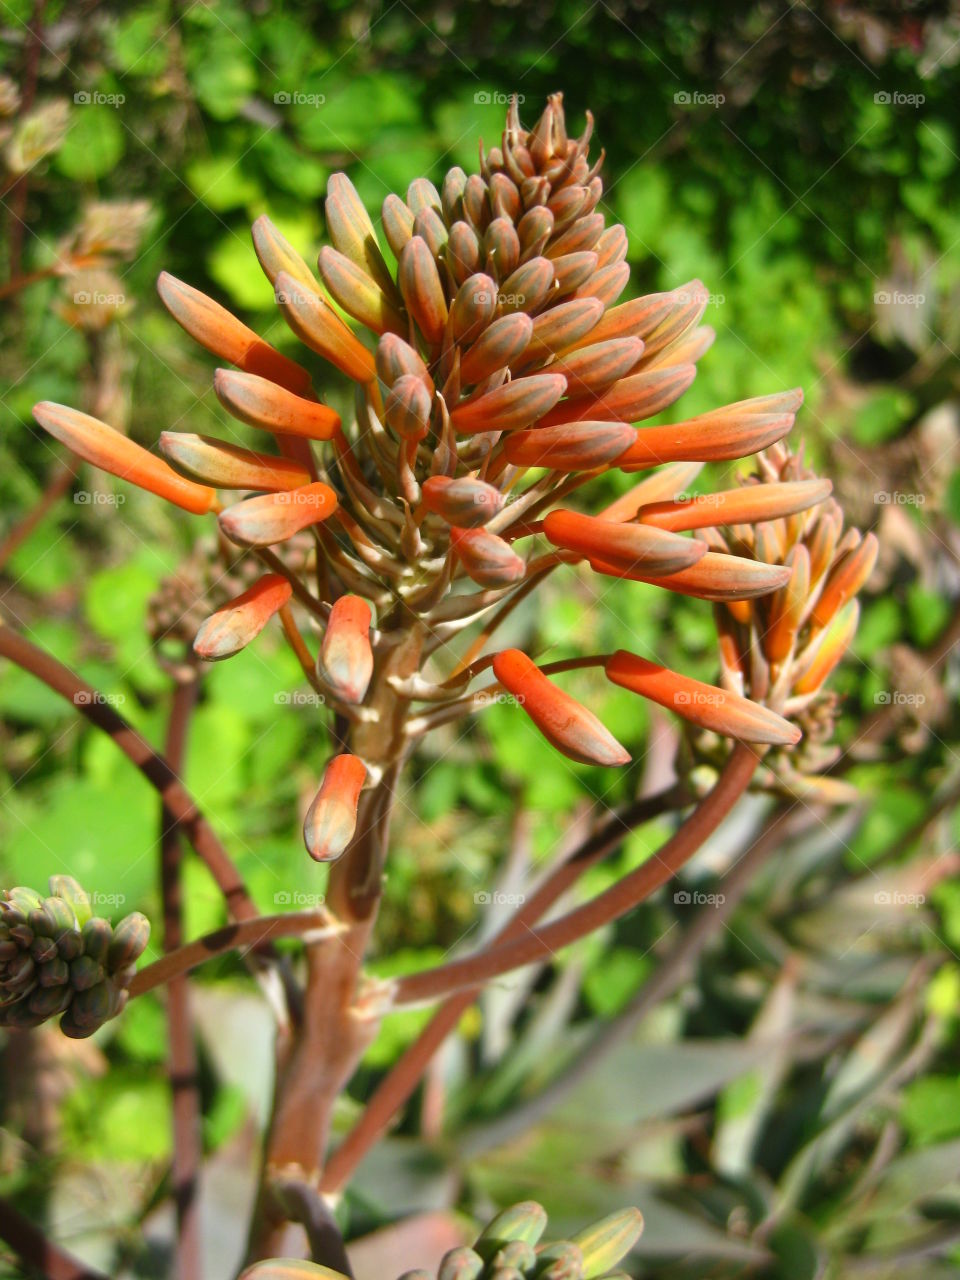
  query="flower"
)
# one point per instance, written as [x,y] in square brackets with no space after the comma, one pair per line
[495,374]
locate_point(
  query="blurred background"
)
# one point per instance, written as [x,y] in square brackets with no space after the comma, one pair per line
[786,1103]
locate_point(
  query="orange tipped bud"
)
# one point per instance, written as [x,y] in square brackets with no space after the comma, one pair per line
[703,704]
[462,252]
[589,369]
[226,466]
[612,246]
[395,358]
[500,344]
[407,408]
[501,246]
[358,293]
[526,289]
[277,256]
[562,326]
[429,226]
[846,578]
[534,230]
[346,657]
[571,271]
[106,448]
[629,545]
[464,501]
[263,404]
[422,289]
[575,446]
[734,431]
[319,327]
[714,577]
[686,306]
[584,234]
[473,308]
[514,405]
[566,725]
[232,628]
[488,560]
[750,504]
[607,284]
[831,645]
[634,319]
[397,222]
[786,607]
[331,820]
[352,231]
[630,399]
[216,329]
[660,486]
[259,522]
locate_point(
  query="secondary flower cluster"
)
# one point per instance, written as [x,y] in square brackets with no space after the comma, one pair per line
[499,375]
[509,1248]
[57,957]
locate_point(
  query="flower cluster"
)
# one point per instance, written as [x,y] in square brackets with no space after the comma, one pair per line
[496,376]
[57,957]
[508,1247]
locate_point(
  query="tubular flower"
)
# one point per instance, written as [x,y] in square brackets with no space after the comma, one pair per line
[232,628]
[780,650]
[332,817]
[498,345]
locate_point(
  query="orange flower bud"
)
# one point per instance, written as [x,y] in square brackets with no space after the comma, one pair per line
[231,628]
[571,271]
[722,434]
[319,327]
[703,704]
[575,446]
[407,408]
[462,252]
[634,319]
[657,487]
[259,522]
[395,357]
[421,288]
[607,283]
[464,501]
[277,256]
[750,504]
[534,230]
[108,449]
[489,560]
[630,399]
[582,235]
[358,293]
[346,657]
[588,369]
[353,233]
[686,307]
[264,404]
[331,820]
[473,308]
[216,329]
[629,545]
[526,289]
[786,607]
[830,647]
[714,577]
[562,326]
[612,246]
[226,466]
[500,344]
[566,725]
[514,405]
[501,246]
[846,578]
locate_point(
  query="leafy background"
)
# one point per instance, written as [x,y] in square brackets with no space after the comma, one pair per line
[791,1108]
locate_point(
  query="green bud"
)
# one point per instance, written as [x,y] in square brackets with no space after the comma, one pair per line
[607,1241]
[97,934]
[42,922]
[85,972]
[461,1264]
[42,950]
[562,1260]
[524,1221]
[517,1254]
[61,913]
[130,938]
[66,887]
[23,900]
[47,1002]
[69,943]
[54,973]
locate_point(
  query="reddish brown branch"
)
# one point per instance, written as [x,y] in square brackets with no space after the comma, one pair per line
[187,1139]
[403,1077]
[608,906]
[154,767]
[39,1253]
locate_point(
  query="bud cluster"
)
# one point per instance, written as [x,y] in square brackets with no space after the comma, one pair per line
[57,957]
